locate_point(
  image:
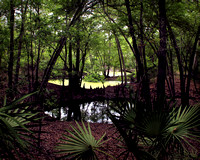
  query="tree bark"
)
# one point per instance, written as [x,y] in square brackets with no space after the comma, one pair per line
[140,72]
[11,58]
[32,60]
[28,68]
[145,80]
[83,59]
[171,74]
[162,54]
[180,64]
[36,84]
[121,59]
[52,63]
[191,64]
[21,35]
[70,63]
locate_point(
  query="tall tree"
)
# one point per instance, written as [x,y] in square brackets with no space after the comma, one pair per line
[180,63]
[121,59]
[145,80]
[191,62]
[11,59]
[162,53]
[36,84]
[78,12]
[23,15]
[140,71]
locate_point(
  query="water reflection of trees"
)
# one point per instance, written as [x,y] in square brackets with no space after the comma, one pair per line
[95,111]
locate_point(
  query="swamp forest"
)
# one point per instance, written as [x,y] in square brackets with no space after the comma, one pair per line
[100,79]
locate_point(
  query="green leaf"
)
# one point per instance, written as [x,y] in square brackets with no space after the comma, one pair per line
[80,143]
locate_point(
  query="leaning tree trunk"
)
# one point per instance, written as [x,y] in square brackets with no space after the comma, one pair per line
[121,59]
[51,63]
[140,72]
[60,46]
[121,31]
[162,54]
[180,64]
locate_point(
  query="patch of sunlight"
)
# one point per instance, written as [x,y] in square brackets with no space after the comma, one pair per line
[88,84]
[59,82]
[99,84]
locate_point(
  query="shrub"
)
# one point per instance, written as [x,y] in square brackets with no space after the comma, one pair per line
[94,77]
[157,133]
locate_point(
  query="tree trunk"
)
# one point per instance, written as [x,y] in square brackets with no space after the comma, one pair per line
[60,46]
[180,64]
[121,58]
[23,11]
[74,112]
[171,70]
[0,60]
[11,58]
[145,80]
[51,63]
[36,84]
[140,72]
[70,64]
[32,62]
[83,60]
[28,68]
[191,64]
[78,55]
[162,54]
[74,81]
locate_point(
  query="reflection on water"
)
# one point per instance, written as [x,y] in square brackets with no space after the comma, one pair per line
[90,112]
[88,85]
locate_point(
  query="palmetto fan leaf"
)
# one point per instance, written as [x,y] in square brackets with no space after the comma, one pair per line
[185,121]
[80,143]
[160,133]
[20,117]
[13,130]
[167,131]
[153,124]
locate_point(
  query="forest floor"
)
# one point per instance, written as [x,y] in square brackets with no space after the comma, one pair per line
[53,130]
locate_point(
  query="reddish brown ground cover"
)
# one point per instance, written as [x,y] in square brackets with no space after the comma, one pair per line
[55,130]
